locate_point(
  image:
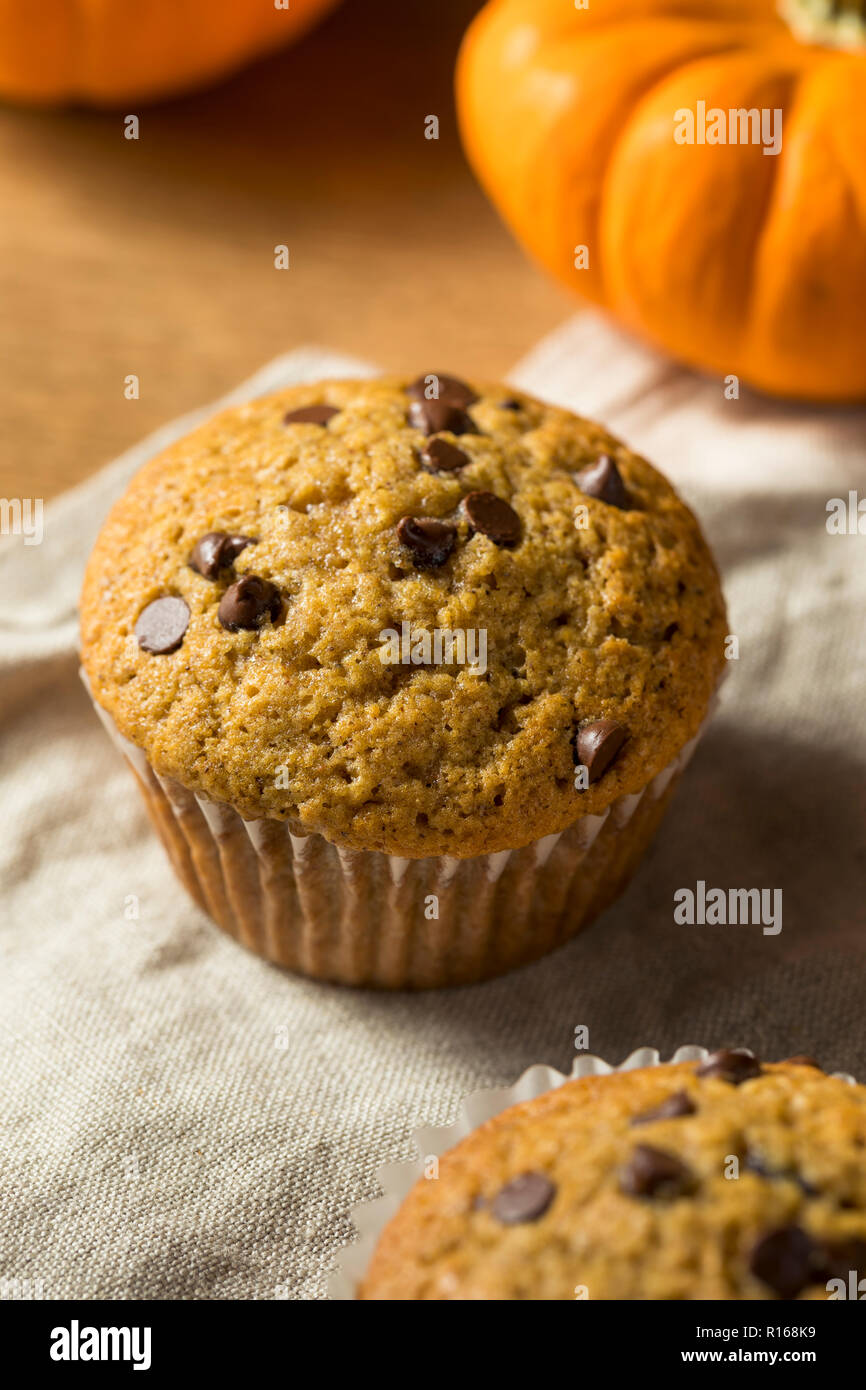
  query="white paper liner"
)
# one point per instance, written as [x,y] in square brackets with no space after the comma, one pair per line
[354,917]
[397,1179]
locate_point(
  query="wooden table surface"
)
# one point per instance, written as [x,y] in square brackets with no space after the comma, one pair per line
[155,257]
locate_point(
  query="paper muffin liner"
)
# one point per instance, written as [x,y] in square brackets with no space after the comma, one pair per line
[366,918]
[397,1179]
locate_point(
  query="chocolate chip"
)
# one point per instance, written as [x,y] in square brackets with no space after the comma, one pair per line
[802,1061]
[654,1173]
[249,603]
[785,1260]
[525,1198]
[838,1258]
[733,1064]
[680,1103]
[311,415]
[441,457]
[493,517]
[512,403]
[443,388]
[162,625]
[428,541]
[603,480]
[217,551]
[435,416]
[598,744]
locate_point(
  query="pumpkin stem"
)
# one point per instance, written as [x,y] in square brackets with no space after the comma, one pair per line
[838,23]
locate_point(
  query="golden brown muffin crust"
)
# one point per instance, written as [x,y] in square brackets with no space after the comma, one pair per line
[799,1139]
[300,720]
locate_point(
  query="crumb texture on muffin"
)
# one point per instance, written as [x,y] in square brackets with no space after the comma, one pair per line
[297,536]
[661,1183]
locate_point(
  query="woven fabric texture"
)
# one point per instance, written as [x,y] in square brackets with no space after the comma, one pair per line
[181,1120]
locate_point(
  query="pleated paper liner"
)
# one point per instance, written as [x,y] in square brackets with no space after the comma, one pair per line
[364,918]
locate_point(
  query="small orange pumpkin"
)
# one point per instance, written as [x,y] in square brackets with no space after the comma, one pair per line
[576,122]
[100,52]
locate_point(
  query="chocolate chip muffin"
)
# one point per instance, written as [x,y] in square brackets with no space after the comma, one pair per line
[407,670]
[722,1179]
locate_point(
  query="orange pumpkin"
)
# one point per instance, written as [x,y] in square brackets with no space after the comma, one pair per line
[577,124]
[104,51]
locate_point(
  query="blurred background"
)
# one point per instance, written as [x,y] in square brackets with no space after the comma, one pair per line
[156,256]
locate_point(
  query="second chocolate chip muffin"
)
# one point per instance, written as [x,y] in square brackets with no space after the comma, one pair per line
[393,659]
[725,1179]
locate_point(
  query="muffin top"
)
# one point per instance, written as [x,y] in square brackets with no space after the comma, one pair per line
[261,610]
[717,1180]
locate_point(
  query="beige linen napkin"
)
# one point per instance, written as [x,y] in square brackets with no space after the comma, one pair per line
[181,1120]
